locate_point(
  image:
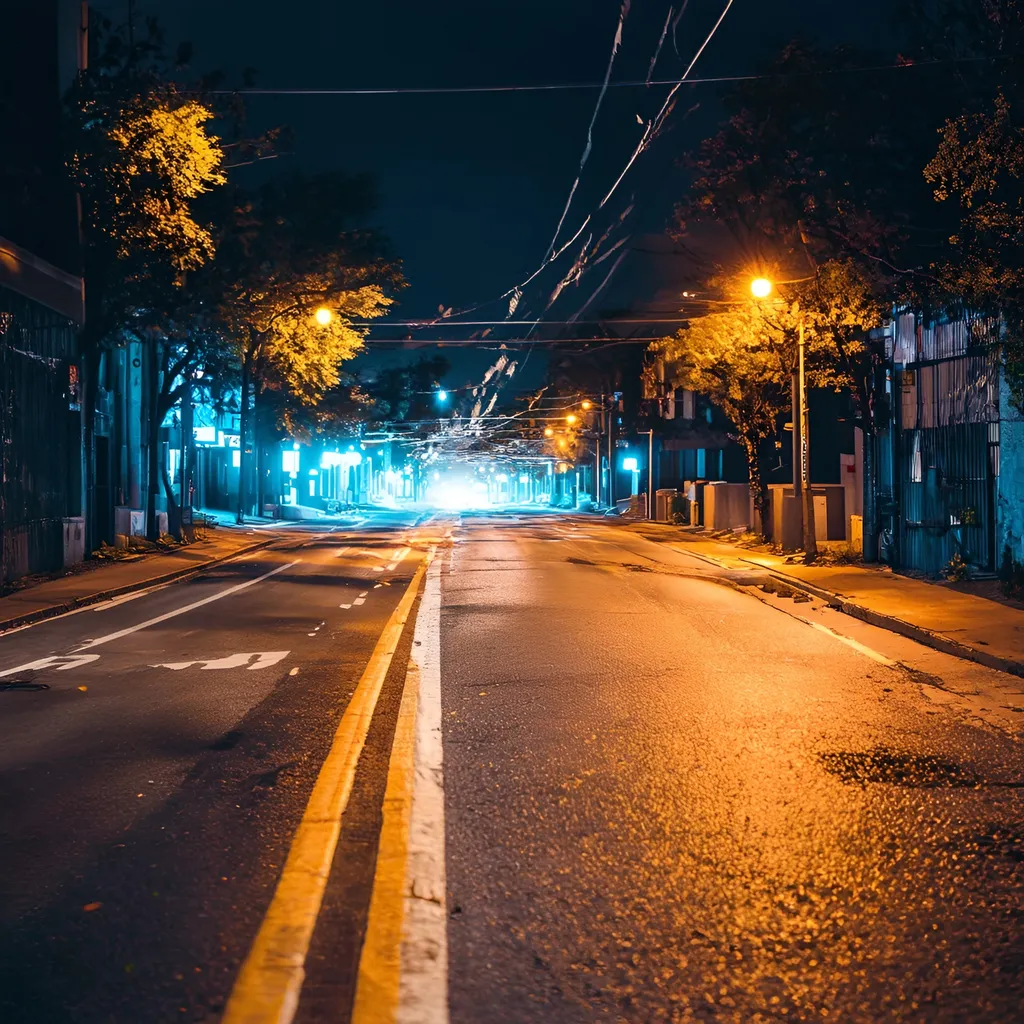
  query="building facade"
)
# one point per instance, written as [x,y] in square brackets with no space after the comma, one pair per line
[41,296]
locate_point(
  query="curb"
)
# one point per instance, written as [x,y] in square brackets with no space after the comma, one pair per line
[937,641]
[105,595]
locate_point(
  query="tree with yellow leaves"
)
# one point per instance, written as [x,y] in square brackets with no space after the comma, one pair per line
[142,157]
[293,281]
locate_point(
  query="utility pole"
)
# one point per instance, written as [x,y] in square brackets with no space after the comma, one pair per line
[761,288]
[611,463]
[810,540]
[650,472]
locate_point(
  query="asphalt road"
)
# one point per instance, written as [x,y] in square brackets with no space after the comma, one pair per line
[668,801]
[149,792]
[664,798]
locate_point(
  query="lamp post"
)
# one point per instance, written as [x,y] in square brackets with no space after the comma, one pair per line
[761,288]
[650,473]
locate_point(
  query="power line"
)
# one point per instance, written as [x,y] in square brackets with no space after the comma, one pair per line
[498,343]
[577,86]
[427,325]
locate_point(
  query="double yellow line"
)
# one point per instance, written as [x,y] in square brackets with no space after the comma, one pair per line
[268,986]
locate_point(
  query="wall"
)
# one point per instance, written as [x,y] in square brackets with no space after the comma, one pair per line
[1010,482]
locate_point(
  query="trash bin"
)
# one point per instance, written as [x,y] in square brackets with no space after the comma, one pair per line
[663,503]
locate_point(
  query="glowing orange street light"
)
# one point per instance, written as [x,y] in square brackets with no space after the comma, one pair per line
[562,442]
[548,432]
[587,404]
[761,288]
[324,316]
[570,419]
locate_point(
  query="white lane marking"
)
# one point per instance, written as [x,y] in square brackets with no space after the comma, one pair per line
[856,645]
[264,659]
[345,606]
[377,568]
[60,663]
[398,556]
[423,985]
[114,602]
[187,608]
[359,600]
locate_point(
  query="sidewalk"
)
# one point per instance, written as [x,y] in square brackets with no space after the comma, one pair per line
[100,580]
[964,625]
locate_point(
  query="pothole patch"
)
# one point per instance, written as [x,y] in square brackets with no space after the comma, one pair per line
[897,768]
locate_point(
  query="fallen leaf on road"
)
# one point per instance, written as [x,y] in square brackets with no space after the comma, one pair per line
[92,906]
[83,688]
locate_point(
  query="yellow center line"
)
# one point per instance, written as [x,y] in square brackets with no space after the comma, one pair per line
[377,987]
[268,985]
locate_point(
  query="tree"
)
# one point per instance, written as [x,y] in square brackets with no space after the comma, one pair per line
[292,280]
[741,363]
[141,157]
[977,170]
[407,392]
[815,179]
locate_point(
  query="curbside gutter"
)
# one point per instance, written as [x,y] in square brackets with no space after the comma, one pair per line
[927,637]
[53,611]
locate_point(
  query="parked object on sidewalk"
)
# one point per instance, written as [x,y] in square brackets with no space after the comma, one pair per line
[727,506]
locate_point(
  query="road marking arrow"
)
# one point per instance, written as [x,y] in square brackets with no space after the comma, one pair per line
[264,659]
[60,663]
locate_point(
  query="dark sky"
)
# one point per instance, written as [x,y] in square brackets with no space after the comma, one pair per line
[471,187]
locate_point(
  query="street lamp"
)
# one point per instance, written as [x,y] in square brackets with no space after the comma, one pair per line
[442,396]
[548,432]
[571,419]
[324,316]
[761,288]
[587,404]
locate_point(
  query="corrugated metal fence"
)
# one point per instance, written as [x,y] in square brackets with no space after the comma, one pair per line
[945,444]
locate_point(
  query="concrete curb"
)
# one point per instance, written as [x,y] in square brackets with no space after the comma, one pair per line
[105,595]
[927,637]
[937,641]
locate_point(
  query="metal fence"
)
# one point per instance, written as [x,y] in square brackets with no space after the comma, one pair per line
[40,434]
[945,449]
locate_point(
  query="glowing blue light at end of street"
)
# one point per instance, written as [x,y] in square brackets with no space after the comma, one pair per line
[630,464]
[442,396]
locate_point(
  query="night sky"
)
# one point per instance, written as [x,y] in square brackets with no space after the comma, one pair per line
[471,187]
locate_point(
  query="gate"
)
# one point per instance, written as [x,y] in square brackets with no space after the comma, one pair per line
[946,449]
